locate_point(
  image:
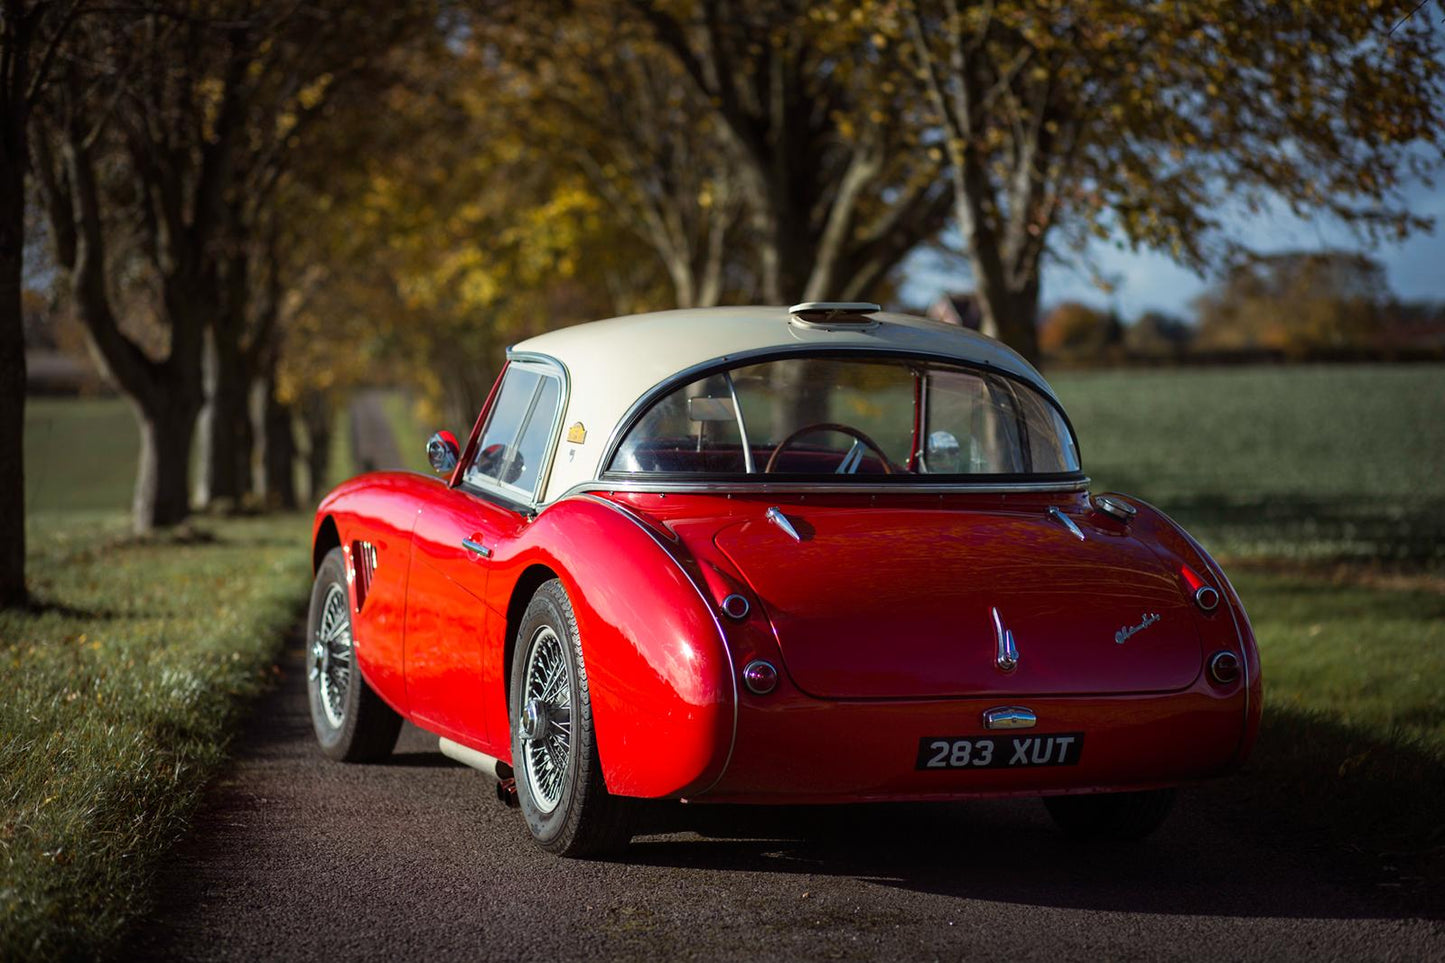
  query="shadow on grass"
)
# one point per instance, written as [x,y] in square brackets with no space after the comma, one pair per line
[1314,785]
[1325,822]
[1395,531]
[39,604]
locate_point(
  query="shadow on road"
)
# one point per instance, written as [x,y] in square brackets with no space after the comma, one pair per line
[1324,822]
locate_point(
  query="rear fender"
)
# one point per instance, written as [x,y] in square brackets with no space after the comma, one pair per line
[658,669]
[1228,626]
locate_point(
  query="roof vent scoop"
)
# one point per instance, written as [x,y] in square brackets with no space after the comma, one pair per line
[835,315]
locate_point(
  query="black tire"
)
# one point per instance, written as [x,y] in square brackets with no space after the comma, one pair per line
[352,722]
[566,805]
[1111,815]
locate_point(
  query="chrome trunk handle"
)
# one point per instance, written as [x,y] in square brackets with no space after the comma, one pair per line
[1009,717]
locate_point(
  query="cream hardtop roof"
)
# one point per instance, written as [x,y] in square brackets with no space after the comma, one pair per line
[611,364]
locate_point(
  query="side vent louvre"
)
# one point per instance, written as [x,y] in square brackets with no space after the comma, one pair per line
[363,563]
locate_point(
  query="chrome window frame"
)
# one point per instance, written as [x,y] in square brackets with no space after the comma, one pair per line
[609,480]
[513,495]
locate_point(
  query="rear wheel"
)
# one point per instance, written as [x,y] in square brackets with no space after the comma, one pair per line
[1111,815]
[352,722]
[560,788]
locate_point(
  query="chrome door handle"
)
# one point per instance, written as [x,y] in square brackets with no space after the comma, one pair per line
[477,548]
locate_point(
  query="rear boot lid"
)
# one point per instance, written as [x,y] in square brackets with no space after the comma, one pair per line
[892,603]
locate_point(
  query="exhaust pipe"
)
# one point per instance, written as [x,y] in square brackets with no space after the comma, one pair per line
[489,766]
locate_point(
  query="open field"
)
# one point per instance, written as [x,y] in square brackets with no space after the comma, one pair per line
[1315,463]
[80,454]
[1324,487]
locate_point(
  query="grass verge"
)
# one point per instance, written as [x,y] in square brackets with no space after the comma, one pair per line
[1351,755]
[122,687]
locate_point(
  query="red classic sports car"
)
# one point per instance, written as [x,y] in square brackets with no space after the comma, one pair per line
[760,555]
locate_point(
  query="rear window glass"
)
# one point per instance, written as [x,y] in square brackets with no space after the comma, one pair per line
[849,417]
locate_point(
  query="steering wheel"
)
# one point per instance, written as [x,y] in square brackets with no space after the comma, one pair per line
[851,460]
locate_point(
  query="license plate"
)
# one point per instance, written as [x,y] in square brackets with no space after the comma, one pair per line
[1000,752]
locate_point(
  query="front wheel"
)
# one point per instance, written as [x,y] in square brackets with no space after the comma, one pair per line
[352,722]
[560,789]
[1111,815]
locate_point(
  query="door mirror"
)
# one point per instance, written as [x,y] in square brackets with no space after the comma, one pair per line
[443,452]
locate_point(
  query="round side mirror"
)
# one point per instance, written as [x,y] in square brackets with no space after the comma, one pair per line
[443,452]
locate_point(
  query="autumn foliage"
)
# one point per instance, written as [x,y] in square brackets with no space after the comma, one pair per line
[279,201]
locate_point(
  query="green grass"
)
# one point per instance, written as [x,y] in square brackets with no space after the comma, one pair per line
[79,454]
[1315,463]
[121,691]
[1351,754]
[340,465]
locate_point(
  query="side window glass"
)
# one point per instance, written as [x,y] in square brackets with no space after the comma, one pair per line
[532,443]
[514,441]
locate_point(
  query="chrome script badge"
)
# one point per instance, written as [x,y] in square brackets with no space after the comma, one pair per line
[1122,636]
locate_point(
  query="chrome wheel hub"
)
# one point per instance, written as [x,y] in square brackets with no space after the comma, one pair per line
[535,719]
[545,722]
[330,657]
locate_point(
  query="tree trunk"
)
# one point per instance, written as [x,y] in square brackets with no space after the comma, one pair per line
[1011,316]
[276,475]
[316,417]
[12,378]
[226,435]
[162,489]
[14,153]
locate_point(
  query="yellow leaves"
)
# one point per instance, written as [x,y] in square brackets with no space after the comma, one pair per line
[311,94]
[209,91]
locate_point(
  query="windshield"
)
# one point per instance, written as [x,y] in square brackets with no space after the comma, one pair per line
[836,416]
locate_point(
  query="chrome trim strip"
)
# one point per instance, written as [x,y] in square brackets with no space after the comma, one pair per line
[743,487]
[1007,658]
[1065,521]
[468,756]
[1009,717]
[748,465]
[776,516]
[711,611]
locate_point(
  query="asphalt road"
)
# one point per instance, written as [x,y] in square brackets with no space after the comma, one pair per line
[297,857]
[373,444]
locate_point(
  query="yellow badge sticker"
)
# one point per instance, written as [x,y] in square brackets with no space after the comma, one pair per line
[577,434]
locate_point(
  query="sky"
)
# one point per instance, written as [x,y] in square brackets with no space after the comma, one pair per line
[1147,281]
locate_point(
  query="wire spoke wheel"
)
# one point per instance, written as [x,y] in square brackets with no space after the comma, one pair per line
[331,655]
[352,722]
[546,717]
